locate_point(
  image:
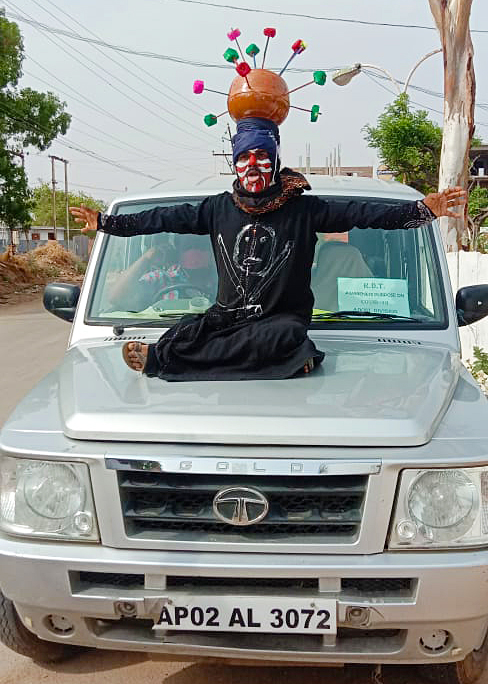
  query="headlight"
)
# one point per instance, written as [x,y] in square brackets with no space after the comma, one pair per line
[46,499]
[441,508]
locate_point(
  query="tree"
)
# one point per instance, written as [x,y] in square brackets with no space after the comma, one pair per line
[477,215]
[27,117]
[42,209]
[452,20]
[408,143]
[15,196]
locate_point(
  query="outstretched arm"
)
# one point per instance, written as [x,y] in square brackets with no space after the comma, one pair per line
[443,203]
[340,216]
[181,218]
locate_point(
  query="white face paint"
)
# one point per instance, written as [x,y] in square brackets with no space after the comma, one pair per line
[254,170]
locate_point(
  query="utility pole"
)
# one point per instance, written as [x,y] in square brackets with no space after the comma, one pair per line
[226,155]
[53,158]
[53,181]
[66,200]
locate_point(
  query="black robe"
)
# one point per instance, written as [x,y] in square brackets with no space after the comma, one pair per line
[258,326]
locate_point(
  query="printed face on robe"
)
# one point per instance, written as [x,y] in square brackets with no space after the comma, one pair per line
[254,170]
[254,249]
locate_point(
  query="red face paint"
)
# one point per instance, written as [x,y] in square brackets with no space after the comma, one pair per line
[254,170]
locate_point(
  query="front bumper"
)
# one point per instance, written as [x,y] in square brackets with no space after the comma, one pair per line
[406,597]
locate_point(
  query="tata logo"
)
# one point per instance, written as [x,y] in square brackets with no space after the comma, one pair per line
[240,506]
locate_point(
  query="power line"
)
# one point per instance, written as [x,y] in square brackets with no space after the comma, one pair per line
[255,10]
[125,84]
[90,104]
[152,76]
[142,53]
[72,146]
[427,91]
[374,78]
[156,114]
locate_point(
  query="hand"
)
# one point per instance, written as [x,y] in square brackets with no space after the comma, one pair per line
[85,215]
[441,203]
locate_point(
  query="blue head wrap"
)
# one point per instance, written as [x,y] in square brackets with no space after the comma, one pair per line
[261,134]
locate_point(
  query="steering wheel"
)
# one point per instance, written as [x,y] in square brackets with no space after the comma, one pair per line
[192,290]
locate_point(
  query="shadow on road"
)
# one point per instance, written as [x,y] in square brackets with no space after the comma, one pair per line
[94,661]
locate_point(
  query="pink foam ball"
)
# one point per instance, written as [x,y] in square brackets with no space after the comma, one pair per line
[234,34]
[198,87]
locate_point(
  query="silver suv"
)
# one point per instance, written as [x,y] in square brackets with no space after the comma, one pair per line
[338,517]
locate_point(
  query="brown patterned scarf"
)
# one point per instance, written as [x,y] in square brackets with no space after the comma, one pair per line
[290,184]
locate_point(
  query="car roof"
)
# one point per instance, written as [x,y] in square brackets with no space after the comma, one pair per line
[354,186]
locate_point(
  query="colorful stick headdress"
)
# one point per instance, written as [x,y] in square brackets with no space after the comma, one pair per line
[259,93]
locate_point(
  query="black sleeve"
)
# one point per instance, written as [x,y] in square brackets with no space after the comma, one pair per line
[180,218]
[336,216]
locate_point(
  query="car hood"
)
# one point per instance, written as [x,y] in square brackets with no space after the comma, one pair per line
[364,394]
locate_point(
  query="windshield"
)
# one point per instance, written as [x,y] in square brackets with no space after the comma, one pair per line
[363,278]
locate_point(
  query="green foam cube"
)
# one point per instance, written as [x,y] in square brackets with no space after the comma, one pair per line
[319,77]
[210,119]
[231,55]
[252,50]
[314,113]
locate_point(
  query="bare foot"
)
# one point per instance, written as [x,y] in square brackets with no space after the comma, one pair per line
[308,367]
[135,355]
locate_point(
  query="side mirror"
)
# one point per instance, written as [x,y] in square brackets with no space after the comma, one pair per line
[471,304]
[61,299]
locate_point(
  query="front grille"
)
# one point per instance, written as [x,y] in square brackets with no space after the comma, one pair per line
[350,587]
[197,585]
[171,506]
[378,586]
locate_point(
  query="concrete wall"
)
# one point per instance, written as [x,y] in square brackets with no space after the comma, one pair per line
[470,268]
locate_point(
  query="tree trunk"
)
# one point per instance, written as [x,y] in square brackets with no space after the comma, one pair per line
[452,19]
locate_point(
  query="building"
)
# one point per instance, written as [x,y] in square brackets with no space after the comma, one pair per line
[479,165]
[37,235]
[362,171]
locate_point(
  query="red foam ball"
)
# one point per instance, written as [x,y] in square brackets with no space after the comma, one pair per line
[243,69]
[270,32]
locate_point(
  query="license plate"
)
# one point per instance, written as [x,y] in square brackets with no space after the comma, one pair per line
[249,614]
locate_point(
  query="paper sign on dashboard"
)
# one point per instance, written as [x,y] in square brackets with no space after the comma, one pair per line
[378,295]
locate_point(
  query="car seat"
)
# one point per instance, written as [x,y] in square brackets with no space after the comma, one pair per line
[335,260]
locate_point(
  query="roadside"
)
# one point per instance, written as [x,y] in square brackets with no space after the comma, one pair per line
[23,276]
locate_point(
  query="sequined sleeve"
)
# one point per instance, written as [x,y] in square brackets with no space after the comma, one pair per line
[340,216]
[181,218]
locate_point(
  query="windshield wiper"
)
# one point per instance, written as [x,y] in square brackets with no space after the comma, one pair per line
[364,314]
[118,328]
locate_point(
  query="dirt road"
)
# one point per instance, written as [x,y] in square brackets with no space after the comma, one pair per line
[32,341]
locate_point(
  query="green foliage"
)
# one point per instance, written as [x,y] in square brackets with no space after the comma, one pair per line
[81,267]
[478,200]
[11,52]
[408,143]
[33,118]
[27,117]
[478,217]
[15,196]
[476,142]
[481,361]
[43,206]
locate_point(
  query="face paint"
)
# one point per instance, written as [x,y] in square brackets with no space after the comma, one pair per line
[254,170]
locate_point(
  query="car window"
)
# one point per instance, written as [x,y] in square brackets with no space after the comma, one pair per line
[150,276]
[391,273]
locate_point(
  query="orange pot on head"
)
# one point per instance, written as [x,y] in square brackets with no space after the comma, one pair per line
[265,96]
